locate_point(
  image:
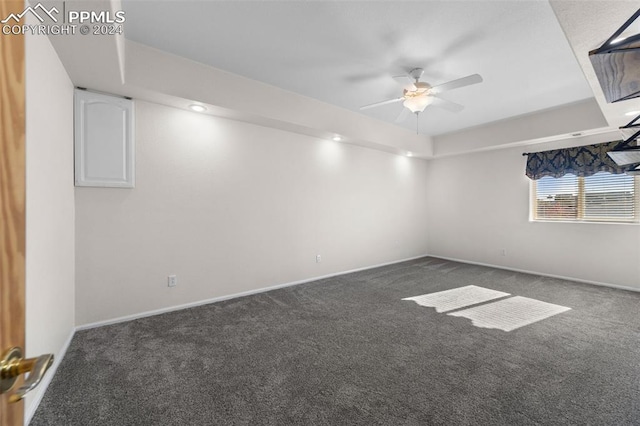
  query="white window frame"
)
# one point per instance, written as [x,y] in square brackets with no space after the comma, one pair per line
[533,206]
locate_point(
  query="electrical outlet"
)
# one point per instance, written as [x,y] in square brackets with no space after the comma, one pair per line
[318,258]
[173,280]
[503,252]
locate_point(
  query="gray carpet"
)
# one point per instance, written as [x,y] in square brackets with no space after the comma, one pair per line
[348,351]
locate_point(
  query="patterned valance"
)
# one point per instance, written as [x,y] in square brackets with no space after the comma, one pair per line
[580,161]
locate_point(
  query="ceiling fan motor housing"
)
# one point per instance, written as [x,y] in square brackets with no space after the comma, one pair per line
[416,73]
[421,88]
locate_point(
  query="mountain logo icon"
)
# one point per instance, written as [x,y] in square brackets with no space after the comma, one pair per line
[34,11]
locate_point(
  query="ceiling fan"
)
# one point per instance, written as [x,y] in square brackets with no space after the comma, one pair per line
[420,94]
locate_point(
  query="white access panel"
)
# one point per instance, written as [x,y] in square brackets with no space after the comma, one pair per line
[104,142]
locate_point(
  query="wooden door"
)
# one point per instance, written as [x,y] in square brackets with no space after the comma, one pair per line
[12,199]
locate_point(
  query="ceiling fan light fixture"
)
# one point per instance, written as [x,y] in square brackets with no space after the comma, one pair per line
[421,87]
[417,103]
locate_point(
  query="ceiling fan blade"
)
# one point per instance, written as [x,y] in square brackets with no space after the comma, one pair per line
[406,81]
[402,116]
[359,78]
[377,104]
[445,104]
[455,84]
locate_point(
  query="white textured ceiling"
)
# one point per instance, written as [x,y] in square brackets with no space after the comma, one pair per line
[345,52]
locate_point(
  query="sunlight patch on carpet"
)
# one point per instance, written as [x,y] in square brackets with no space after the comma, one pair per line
[448,300]
[511,313]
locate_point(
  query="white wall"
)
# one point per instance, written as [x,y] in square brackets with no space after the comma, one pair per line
[231,207]
[552,122]
[479,204]
[50,270]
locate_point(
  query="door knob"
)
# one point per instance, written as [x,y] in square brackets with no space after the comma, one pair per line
[12,365]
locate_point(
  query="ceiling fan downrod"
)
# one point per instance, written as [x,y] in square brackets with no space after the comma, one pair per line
[416,73]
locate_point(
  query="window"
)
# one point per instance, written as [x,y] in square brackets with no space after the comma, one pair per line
[603,197]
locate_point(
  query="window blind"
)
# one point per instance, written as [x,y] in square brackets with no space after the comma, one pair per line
[599,197]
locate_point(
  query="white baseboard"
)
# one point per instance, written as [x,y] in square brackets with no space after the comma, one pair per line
[230,296]
[542,274]
[39,391]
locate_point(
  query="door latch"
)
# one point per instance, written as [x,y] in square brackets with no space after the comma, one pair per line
[13,365]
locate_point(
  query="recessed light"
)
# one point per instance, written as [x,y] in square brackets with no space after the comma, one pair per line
[337,138]
[197,108]
[632,113]
[409,154]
